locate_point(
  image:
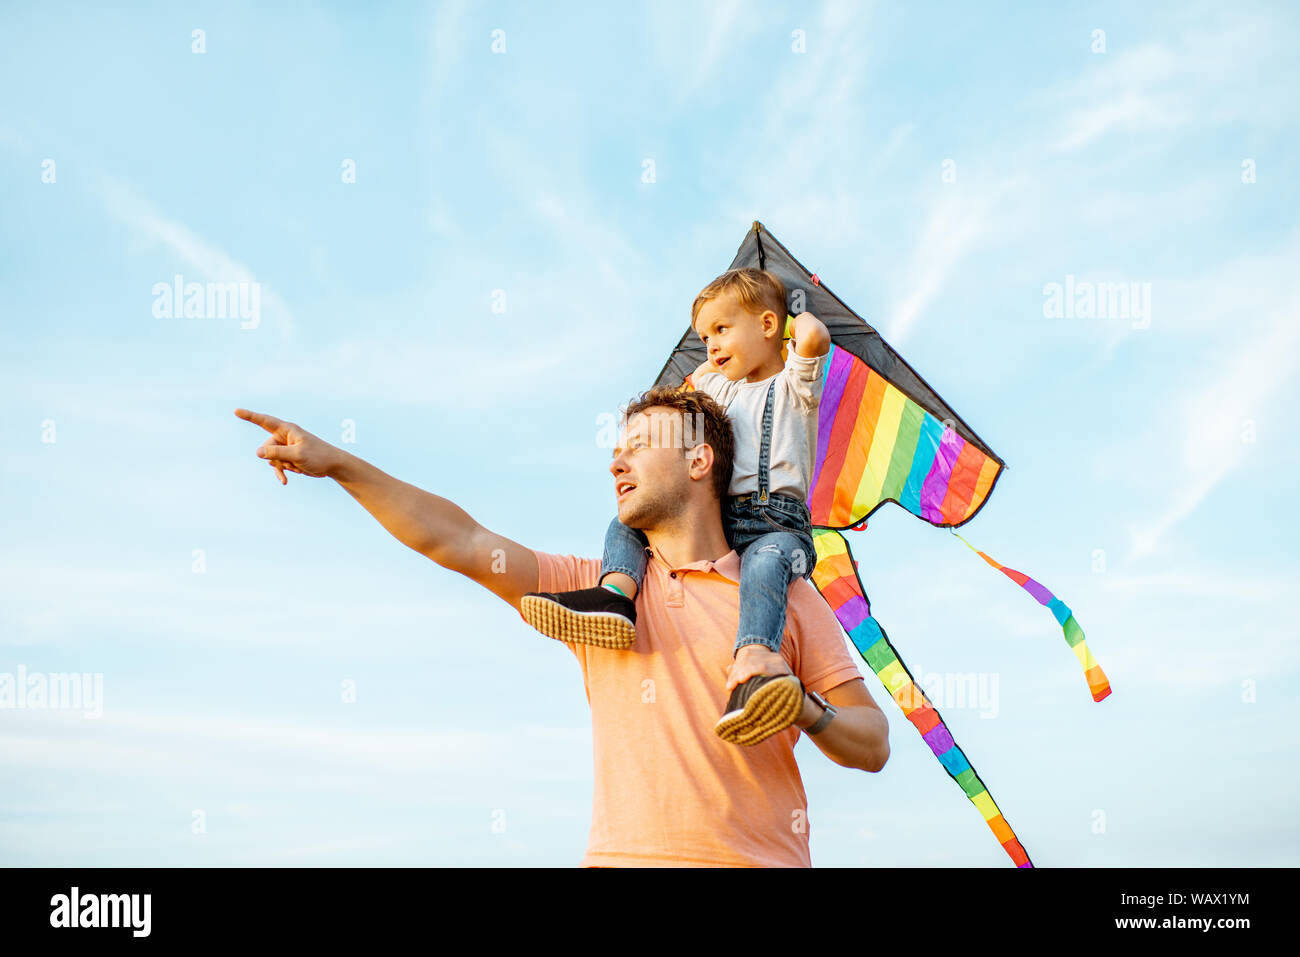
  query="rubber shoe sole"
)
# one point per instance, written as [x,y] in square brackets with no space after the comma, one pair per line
[602,629]
[769,710]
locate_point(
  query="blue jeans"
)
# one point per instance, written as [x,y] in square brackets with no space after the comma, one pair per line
[775,545]
[625,551]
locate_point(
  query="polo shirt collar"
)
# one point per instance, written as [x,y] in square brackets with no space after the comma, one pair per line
[727,566]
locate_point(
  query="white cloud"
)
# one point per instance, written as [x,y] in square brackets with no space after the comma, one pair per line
[1214,418]
[1217,585]
[959,218]
[122,738]
[1197,80]
[1128,111]
[448,39]
[720,21]
[794,182]
[404,371]
[1190,82]
[1116,92]
[689,51]
[605,244]
[212,263]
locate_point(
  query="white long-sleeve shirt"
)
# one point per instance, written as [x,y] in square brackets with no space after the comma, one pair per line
[794,423]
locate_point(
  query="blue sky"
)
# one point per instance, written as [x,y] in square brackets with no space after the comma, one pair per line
[1146,460]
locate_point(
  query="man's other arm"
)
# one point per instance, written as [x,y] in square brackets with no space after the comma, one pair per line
[431,525]
[858,735]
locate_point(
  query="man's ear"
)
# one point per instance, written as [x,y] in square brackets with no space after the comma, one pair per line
[701,465]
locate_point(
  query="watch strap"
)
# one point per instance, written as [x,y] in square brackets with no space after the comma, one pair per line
[828,714]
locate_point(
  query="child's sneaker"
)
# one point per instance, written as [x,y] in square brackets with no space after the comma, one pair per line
[593,616]
[761,707]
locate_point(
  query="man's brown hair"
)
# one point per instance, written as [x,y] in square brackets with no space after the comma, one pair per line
[757,289]
[703,421]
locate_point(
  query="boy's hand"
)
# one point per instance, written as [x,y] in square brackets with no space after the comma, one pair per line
[292,448]
[811,337]
[755,660]
[705,366]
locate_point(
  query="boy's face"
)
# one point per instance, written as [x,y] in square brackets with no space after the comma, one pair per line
[737,340]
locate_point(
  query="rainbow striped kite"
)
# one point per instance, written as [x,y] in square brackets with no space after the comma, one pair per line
[885,436]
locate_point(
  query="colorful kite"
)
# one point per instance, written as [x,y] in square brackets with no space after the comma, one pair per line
[885,436]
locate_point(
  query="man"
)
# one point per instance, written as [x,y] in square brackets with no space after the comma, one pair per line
[668,790]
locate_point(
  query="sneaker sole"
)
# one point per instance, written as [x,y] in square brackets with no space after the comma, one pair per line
[769,710]
[602,629]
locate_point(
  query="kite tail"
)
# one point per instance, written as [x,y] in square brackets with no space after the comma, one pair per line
[836,577]
[1097,683]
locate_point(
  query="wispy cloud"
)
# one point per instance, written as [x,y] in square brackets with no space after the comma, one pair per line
[957,221]
[447,44]
[1215,418]
[1128,111]
[690,57]
[210,261]
[1129,90]
[1221,584]
[404,370]
[787,173]
[36,739]
[1196,79]
[1216,438]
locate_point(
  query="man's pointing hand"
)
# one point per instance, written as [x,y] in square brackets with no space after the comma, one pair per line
[292,448]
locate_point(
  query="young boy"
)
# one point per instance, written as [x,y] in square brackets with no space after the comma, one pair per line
[741,318]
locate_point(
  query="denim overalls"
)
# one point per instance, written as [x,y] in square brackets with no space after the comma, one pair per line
[771,533]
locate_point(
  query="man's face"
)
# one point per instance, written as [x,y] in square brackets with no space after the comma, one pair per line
[651,469]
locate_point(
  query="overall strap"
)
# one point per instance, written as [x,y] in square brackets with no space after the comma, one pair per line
[765,448]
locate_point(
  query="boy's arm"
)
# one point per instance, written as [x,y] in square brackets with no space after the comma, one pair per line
[805,361]
[703,367]
[811,337]
[431,525]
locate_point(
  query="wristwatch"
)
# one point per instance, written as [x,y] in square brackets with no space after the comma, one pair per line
[828,714]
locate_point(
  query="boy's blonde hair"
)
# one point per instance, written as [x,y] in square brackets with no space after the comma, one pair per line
[757,289]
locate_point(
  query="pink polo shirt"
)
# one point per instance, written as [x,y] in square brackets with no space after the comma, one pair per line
[668,791]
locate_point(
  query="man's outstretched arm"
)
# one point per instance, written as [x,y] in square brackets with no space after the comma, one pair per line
[431,525]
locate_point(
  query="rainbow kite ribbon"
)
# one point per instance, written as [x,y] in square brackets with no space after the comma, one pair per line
[1097,683]
[836,577]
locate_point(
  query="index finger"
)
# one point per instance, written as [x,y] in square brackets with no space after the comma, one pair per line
[268,422]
